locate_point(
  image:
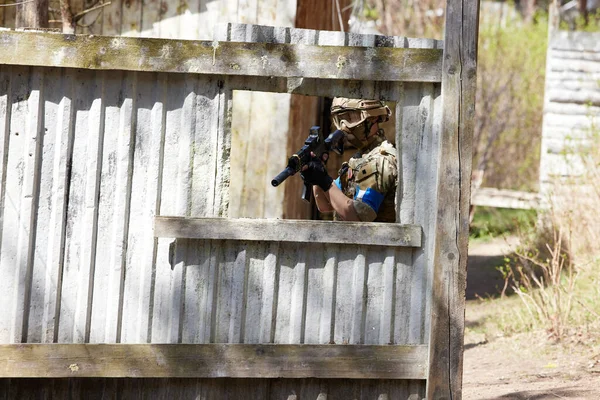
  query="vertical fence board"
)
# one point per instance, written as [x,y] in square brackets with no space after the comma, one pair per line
[139,159]
[49,230]
[379,298]
[35,278]
[150,20]
[175,200]
[28,174]
[62,158]
[15,226]
[260,286]
[111,22]
[199,287]
[111,209]
[230,284]
[319,298]
[82,209]
[131,17]
[350,294]
[6,104]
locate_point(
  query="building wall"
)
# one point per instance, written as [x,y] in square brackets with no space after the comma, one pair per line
[571,107]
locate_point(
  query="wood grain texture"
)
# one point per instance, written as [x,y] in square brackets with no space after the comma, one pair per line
[453,198]
[224,58]
[209,388]
[212,361]
[376,234]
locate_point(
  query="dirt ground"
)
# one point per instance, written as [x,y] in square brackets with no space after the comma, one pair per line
[526,366]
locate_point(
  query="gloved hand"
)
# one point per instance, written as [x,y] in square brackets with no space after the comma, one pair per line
[314,173]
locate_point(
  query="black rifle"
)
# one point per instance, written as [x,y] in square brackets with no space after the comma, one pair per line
[315,144]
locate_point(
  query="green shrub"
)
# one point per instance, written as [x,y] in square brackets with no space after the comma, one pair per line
[491,222]
[509,107]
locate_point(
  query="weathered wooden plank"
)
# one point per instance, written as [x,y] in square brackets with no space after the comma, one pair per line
[349,293]
[112,212]
[222,127]
[6,265]
[578,122]
[589,100]
[51,206]
[453,198]
[223,58]
[404,304]
[212,361]
[379,282]
[20,194]
[132,13]
[561,65]
[175,198]
[320,295]
[199,283]
[208,388]
[56,229]
[290,286]
[408,133]
[582,41]
[231,285]
[427,159]
[82,212]
[138,160]
[491,197]
[568,55]
[575,106]
[112,17]
[289,231]
[40,270]
[260,288]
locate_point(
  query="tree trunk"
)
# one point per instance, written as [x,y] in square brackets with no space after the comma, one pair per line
[528,10]
[583,10]
[32,14]
[68,25]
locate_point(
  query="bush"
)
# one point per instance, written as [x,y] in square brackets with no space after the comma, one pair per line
[559,282]
[510,98]
[490,222]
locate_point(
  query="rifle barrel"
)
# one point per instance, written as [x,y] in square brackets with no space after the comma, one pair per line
[283,175]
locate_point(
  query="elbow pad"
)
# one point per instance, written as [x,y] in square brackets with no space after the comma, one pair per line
[365,212]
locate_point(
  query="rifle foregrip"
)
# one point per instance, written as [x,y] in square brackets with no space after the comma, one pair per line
[283,175]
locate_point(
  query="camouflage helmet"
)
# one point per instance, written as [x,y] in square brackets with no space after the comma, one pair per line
[350,115]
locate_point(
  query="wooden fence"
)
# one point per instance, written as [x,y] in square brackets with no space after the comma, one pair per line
[113,147]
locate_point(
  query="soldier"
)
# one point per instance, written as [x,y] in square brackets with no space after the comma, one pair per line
[365,189]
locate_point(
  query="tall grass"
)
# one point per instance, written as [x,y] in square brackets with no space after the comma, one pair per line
[557,275]
[510,97]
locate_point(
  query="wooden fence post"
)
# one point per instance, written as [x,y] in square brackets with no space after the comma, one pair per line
[459,78]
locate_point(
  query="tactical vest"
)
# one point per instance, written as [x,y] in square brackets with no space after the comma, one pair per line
[376,170]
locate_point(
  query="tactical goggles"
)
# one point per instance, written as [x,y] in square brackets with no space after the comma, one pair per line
[353,117]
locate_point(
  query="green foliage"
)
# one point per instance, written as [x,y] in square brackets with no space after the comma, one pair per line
[491,222]
[510,98]
[580,24]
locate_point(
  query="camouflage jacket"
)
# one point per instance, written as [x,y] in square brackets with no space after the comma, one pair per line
[370,180]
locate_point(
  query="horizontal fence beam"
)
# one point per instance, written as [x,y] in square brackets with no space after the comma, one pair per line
[212,361]
[491,197]
[372,233]
[220,58]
